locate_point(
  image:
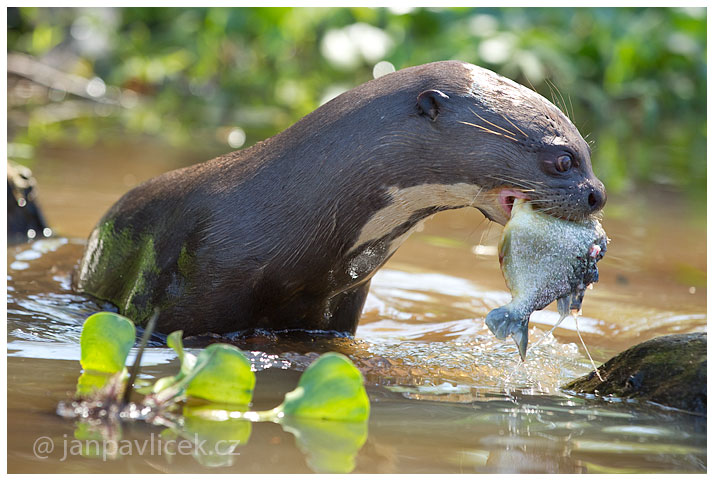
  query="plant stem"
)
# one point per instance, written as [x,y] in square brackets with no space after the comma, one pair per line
[137,361]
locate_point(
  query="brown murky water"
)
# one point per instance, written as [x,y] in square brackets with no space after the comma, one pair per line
[445,396]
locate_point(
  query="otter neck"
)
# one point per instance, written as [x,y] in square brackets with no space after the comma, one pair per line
[409,206]
[389,226]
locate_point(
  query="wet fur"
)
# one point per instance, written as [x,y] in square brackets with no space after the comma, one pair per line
[272,226]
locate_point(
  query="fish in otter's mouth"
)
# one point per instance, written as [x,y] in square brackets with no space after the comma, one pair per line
[543,259]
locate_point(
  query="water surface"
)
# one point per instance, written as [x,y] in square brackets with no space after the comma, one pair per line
[446,395]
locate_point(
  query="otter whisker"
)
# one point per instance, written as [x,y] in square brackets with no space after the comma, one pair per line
[489,131]
[469,236]
[554,100]
[537,205]
[542,201]
[521,183]
[513,178]
[525,184]
[563,102]
[512,124]
[485,234]
[492,124]
[546,209]
[479,191]
[530,84]
[563,105]
[507,175]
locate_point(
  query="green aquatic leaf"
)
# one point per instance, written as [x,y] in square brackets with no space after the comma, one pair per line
[92,381]
[105,342]
[225,376]
[186,359]
[174,341]
[96,385]
[162,384]
[329,446]
[332,389]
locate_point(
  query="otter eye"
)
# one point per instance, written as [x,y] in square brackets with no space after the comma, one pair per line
[563,162]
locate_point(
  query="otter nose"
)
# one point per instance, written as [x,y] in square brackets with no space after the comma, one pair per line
[597,198]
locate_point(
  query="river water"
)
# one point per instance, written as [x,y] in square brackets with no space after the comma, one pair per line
[446,396]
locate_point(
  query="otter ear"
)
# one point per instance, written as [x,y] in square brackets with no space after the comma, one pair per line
[429,103]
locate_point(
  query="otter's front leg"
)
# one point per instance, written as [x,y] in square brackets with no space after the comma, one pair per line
[344,309]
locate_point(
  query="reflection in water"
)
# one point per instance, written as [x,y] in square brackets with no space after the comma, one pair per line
[329,446]
[219,440]
[446,395]
[526,434]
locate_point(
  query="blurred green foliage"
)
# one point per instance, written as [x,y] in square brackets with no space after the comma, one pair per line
[632,80]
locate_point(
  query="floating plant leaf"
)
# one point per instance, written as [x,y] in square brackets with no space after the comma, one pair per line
[91,381]
[225,376]
[332,389]
[161,384]
[105,342]
[329,446]
[327,412]
[187,360]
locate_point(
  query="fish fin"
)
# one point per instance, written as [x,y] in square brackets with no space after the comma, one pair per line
[521,338]
[504,244]
[504,321]
[499,321]
[576,299]
[563,304]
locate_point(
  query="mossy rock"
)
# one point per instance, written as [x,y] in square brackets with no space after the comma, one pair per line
[668,370]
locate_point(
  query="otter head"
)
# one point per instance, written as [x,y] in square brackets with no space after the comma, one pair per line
[512,142]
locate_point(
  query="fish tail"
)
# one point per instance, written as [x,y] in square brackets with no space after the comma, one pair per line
[521,338]
[504,321]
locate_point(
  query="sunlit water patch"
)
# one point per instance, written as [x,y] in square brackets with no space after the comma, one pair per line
[401,348]
[443,389]
[424,332]
[448,358]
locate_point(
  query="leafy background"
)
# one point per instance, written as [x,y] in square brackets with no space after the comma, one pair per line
[633,79]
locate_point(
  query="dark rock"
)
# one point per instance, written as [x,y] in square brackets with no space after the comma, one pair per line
[668,370]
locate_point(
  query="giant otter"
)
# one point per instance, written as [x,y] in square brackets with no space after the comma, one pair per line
[287,234]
